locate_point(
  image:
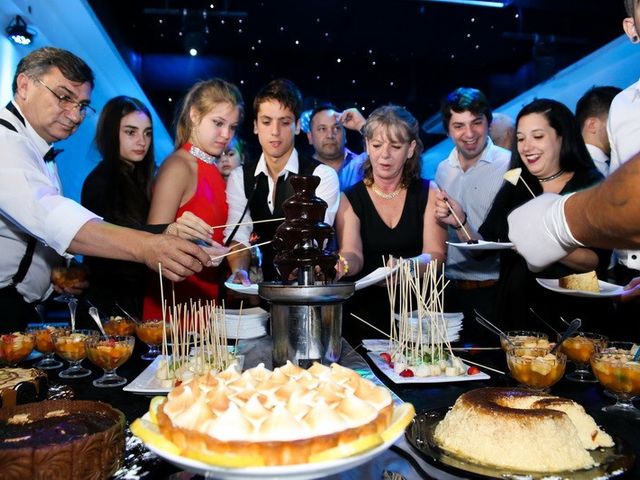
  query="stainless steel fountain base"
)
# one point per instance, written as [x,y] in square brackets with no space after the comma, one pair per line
[306,321]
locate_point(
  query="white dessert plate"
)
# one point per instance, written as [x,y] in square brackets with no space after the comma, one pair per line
[482,245]
[148,384]
[374,277]
[304,471]
[606,289]
[396,378]
[253,312]
[239,288]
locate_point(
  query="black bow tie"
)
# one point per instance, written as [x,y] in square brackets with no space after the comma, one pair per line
[51,155]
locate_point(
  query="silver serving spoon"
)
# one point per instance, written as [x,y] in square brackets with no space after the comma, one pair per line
[575,324]
[73,305]
[544,322]
[127,314]
[492,328]
[93,311]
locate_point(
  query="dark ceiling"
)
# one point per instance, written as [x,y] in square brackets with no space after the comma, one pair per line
[359,52]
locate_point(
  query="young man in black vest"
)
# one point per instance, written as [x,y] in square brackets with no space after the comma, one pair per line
[256,190]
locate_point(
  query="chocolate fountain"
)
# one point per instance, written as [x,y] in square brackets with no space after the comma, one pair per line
[306,307]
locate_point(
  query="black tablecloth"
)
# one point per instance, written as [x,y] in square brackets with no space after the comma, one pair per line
[139,463]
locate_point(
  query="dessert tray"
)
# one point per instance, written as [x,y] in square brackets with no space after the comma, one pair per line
[376,346]
[606,289]
[612,462]
[148,384]
[289,472]
[482,245]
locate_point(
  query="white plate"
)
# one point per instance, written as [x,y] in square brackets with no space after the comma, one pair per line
[374,277]
[482,245]
[148,384]
[253,312]
[396,378]
[239,288]
[452,318]
[606,289]
[290,472]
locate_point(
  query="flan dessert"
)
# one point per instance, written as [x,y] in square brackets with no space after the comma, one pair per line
[21,385]
[520,430]
[586,282]
[282,416]
[66,439]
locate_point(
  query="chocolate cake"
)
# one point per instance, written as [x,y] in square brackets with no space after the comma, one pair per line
[67,439]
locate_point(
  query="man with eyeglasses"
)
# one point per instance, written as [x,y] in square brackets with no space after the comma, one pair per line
[38,225]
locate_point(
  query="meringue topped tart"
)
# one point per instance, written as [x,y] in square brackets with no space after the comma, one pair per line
[284,416]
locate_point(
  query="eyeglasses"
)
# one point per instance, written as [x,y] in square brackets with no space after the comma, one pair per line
[67,104]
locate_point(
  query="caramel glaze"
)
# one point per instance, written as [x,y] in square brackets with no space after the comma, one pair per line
[512,402]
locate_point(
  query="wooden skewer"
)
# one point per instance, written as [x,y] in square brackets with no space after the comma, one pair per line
[458,219]
[249,223]
[528,188]
[482,366]
[241,249]
[372,326]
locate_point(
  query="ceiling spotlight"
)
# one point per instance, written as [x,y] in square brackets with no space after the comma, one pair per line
[18,32]
[193,52]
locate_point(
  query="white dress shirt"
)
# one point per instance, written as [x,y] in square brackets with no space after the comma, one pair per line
[31,202]
[599,158]
[623,128]
[475,190]
[328,190]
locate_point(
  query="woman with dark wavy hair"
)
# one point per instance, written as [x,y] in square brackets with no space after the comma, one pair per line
[118,189]
[552,155]
[388,215]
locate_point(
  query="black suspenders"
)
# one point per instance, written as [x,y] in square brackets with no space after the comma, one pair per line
[25,263]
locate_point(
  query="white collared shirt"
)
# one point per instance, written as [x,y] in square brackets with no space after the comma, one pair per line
[31,201]
[623,128]
[328,190]
[600,159]
[475,190]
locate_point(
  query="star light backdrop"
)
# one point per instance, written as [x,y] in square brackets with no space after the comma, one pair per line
[355,53]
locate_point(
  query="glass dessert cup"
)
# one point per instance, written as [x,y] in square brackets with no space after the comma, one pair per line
[527,338]
[71,347]
[109,352]
[536,368]
[616,371]
[44,344]
[120,326]
[578,350]
[15,347]
[151,333]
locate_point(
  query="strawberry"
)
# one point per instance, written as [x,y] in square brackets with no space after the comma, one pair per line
[473,371]
[386,358]
[407,372]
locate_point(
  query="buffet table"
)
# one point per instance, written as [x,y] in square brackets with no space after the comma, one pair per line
[401,461]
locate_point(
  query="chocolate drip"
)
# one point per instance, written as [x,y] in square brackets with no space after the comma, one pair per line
[301,240]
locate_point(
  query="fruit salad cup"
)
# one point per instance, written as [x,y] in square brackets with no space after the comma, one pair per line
[44,344]
[109,352]
[536,368]
[122,326]
[151,332]
[15,347]
[579,349]
[525,338]
[70,345]
[618,373]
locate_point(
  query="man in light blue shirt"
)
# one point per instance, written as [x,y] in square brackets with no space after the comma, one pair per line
[472,174]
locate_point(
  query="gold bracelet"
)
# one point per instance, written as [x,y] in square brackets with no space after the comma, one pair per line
[345,264]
